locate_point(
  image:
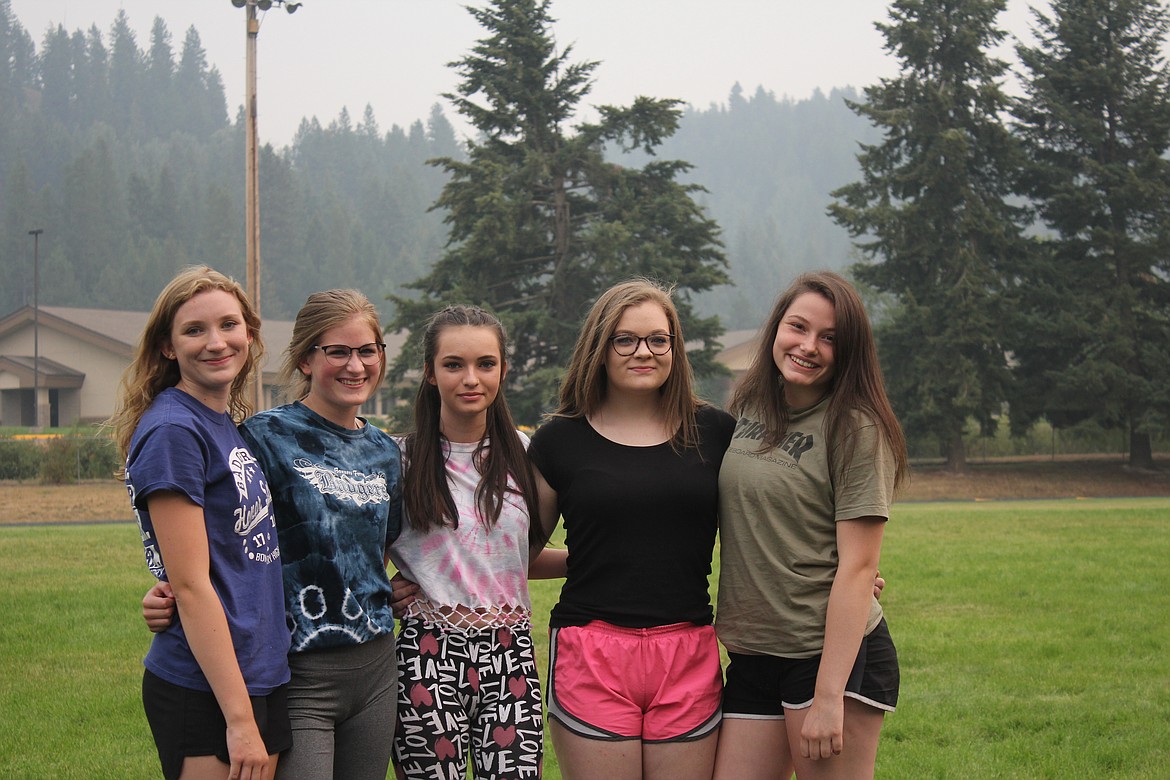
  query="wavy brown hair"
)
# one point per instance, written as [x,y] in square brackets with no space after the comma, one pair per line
[856,385]
[150,372]
[322,311]
[500,453]
[584,386]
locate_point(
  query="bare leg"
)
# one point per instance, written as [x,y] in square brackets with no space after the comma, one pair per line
[862,729]
[211,768]
[581,758]
[752,749]
[680,760]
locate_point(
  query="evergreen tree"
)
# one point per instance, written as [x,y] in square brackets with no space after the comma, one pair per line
[539,221]
[440,133]
[93,205]
[91,77]
[19,217]
[214,101]
[1095,121]
[769,190]
[17,58]
[220,237]
[56,66]
[931,214]
[127,73]
[158,99]
[283,288]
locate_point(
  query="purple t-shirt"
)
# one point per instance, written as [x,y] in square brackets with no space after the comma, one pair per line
[183,447]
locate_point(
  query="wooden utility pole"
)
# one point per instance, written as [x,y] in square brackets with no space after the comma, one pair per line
[252,190]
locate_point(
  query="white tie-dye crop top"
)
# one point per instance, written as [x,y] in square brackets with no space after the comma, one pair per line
[471,578]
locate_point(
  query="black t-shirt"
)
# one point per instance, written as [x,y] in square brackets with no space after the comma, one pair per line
[640,522]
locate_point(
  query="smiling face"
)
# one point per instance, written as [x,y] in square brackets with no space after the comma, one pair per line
[643,371]
[803,349]
[209,340]
[467,371]
[336,392]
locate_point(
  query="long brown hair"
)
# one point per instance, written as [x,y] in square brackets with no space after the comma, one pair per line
[500,454]
[150,372]
[322,311]
[856,384]
[584,387]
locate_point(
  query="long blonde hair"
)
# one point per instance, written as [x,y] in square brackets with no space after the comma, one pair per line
[584,386]
[150,372]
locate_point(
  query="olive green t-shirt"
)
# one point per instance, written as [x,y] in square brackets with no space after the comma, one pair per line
[778,511]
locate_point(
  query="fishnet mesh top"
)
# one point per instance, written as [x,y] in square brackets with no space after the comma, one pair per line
[470,578]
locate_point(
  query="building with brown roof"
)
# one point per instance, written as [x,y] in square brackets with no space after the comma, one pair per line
[79,355]
[76,358]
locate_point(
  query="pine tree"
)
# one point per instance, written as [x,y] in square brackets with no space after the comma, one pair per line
[18,213]
[56,66]
[1095,121]
[158,100]
[91,77]
[440,133]
[540,223]
[17,58]
[190,88]
[127,73]
[931,214]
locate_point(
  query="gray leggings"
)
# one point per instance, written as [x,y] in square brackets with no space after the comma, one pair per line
[342,703]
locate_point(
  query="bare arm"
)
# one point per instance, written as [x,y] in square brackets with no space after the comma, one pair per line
[547,563]
[546,504]
[859,544]
[403,592]
[551,564]
[182,539]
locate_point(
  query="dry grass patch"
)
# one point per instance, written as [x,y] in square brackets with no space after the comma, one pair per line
[1021,478]
[83,502]
[1024,478]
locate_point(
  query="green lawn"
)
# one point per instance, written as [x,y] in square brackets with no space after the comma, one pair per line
[1034,638]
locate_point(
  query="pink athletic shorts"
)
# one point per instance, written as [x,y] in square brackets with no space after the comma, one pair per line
[660,684]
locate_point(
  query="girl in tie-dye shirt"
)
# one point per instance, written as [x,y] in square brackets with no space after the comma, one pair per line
[336,491]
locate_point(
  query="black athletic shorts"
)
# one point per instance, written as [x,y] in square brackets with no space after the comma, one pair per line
[763,686]
[187,722]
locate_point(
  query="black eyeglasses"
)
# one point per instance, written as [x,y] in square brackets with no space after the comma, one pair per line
[626,344]
[338,354]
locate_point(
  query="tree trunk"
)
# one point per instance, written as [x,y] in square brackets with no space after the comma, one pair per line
[956,454]
[1141,456]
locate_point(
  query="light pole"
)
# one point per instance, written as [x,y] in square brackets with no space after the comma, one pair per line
[36,234]
[252,165]
[252,189]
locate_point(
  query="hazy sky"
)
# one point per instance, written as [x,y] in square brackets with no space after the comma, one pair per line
[393,54]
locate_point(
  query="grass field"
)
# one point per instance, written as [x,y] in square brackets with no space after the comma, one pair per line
[1034,639]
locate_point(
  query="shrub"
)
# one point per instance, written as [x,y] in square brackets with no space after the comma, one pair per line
[20,460]
[74,458]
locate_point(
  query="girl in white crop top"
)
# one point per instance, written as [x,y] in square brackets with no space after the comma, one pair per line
[467,681]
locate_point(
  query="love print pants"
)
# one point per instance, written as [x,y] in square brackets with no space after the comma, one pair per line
[464,693]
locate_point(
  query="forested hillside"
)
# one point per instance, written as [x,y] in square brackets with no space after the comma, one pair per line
[124,155]
[123,152]
[769,164]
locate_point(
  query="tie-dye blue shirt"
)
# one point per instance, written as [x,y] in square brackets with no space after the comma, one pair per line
[338,499]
